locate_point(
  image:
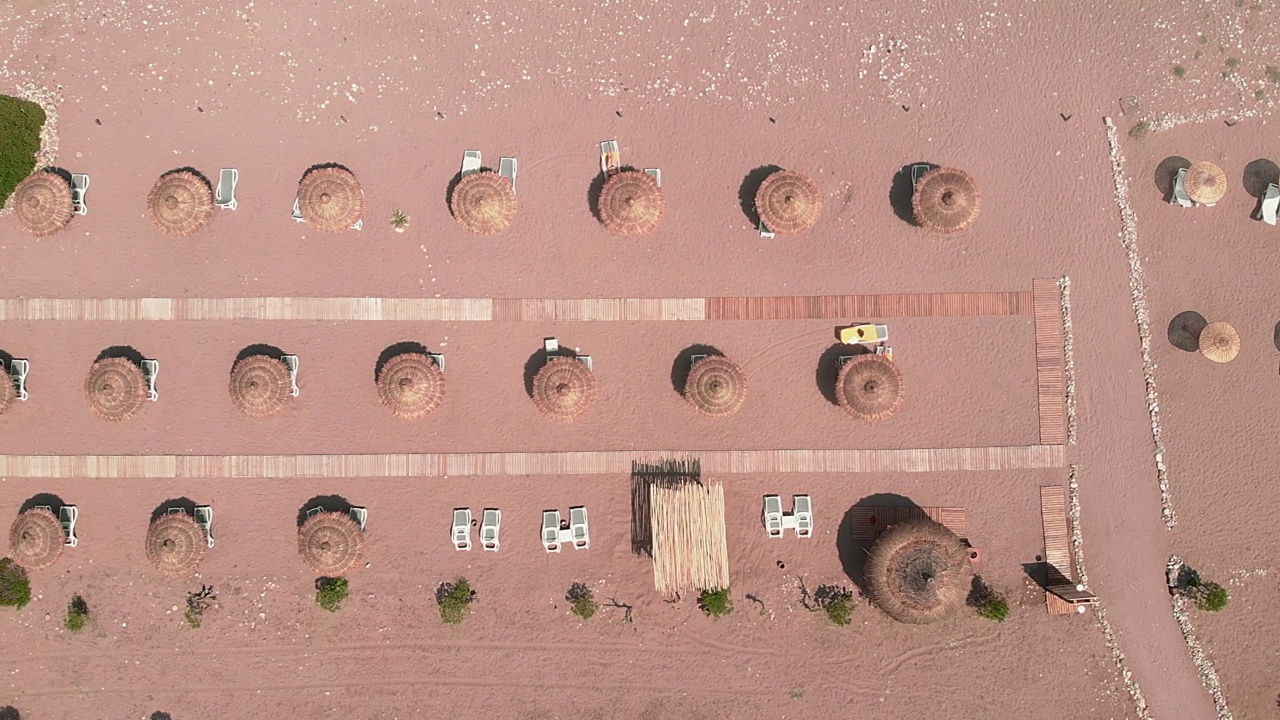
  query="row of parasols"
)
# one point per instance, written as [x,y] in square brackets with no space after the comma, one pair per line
[631,202]
[411,385]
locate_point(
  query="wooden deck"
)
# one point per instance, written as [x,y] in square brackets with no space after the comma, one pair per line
[866,523]
[1050,373]
[1057,545]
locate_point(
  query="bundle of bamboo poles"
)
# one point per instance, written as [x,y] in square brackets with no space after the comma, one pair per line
[689,547]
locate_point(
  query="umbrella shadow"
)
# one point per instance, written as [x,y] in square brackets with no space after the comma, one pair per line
[157,715]
[448,192]
[121,351]
[748,189]
[1167,172]
[1275,336]
[193,171]
[60,172]
[684,363]
[531,368]
[1184,330]
[828,370]
[324,166]
[901,190]
[9,712]
[593,195]
[185,503]
[270,351]
[400,348]
[6,359]
[327,503]
[1258,175]
[48,500]
[853,553]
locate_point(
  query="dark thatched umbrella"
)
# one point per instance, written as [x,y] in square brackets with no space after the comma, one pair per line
[411,385]
[36,539]
[115,388]
[484,203]
[8,393]
[789,203]
[716,386]
[42,203]
[175,545]
[330,543]
[870,387]
[330,199]
[260,386]
[180,203]
[918,572]
[1219,342]
[1206,183]
[631,203]
[946,200]
[563,389]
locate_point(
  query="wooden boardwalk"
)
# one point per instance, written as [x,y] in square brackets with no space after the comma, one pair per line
[719,462]
[867,522]
[1057,545]
[1050,373]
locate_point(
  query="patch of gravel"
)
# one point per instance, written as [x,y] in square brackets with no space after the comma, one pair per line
[1068,358]
[1208,675]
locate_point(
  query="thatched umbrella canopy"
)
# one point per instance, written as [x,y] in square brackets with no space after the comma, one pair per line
[42,203]
[330,543]
[260,386]
[36,539]
[115,388]
[1219,342]
[330,199]
[180,203]
[789,203]
[918,572]
[563,389]
[631,203]
[716,386]
[7,392]
[1206,183]
[870,387]
[411,385]
[175,545]
[484,203]
[946,200]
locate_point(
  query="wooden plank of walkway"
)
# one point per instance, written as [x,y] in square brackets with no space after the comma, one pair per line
[1057,540]
[722,462]
[868,521]
[1050,373]
[869,307]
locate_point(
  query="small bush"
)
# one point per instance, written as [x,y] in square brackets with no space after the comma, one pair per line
[1205,594]
[399,221]
[1259,94]
[1199,54]
[330,592]
[1233,63]
[1273,74]
[453,599]
[15,587]
[716,603]
[1140,130]
[837,602]
[77,614]
[582,600]
[987,601]
[1179,71]
[1203,39]
[197,603]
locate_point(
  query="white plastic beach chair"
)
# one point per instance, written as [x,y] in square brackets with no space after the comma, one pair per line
[79,188]
[654,173]
[489,526]
[67,516]
[507,169]
[610,157]
[551,530]
[297,210]
[1270,204]
[470,162]
[764,231]
[917,172]
[204,518]
[551,345]
[358,225]
[1180,195]
[803,511]
[291,362]
[585,360]
[771,515]
[150,369]
[227,180]
[578,526]
[314,511]
[439,358]
[18,369]
[360,515]
[462,528]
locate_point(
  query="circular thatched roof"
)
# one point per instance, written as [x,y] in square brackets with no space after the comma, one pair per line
[789,203]
[175,545]
[1206,183]
[42,203]
[330,199]
[484,203]
[716,386]
[260,386]
[870,387]
[631,203]
[564,388]
[115,388]
[36,539]
[7,392]
[1219,342]
[411,385]
[918,572]
[330,543]
[946,200]
[180,203]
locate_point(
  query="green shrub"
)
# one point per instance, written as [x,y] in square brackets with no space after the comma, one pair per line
[1179,71]
[837,602]
[1273,74]
[1260,94]
[15,587]
[197,603]
[330,592]
[582,600]
[453,599]
[1140,130]
[77,614]
[1233,63]
[22,121]
[716,603]
[987,601]
[1207,595]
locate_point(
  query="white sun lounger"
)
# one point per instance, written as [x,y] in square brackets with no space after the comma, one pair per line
[470,162]
[578,525]
[204,518]
[67,516]
[489,526]
[1270,204]
[1180,195]
[358,225]
[314,511]
[610,157]
[439,358]
[764,231]
[585,360]
[18,369]
[462,528]
[360,515]
[507,169]
[291,362]
[150,369]
[803,511]
[79,188]
[551,345]
[227,180]
[551,530]
[297,210]
[654,173]
[771,515]
[917,172]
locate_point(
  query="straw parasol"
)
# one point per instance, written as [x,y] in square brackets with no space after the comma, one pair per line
[484,203]
[36,539]
[716,386]
[564,388]
[631,203]
[789,203]
[411,385]
[870,387]
[180,203]
[1206,183]
[918,572]
[260,386]
[946,200]
[1219,342]
[330,199]
[115,388]
[42,203]
[175,545]
[330,543]
[7,392]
